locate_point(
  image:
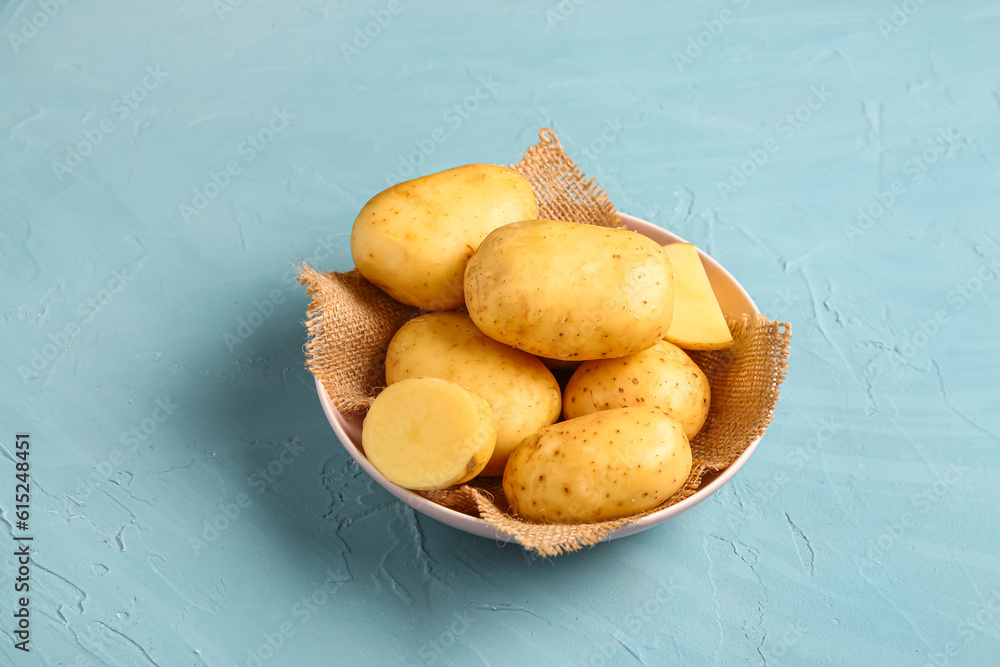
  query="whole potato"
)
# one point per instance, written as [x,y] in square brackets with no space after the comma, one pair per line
[662,377]
[414,238]
[567,290]
[601,466]
[521,391]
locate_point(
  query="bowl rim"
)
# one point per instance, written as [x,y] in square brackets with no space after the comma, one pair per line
[478,526]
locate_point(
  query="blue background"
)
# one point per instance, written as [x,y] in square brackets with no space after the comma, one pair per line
[191,505]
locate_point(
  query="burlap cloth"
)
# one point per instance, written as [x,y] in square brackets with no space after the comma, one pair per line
[350,323]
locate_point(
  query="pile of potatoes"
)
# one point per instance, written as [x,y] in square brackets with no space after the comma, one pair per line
[508,300]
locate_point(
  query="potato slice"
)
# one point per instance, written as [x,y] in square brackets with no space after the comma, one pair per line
[428,433]
[663,377]
[698,322]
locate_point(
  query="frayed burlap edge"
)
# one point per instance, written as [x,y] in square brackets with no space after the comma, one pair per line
[561,189]
[350,323]
[745,381]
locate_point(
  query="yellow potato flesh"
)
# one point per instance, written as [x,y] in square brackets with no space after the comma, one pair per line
[662,377]
[521,391]
[601,466]
[428,433]
[414,238]
[570,291]
[698,322]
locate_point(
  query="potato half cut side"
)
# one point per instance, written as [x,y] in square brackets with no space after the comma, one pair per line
[428,433]
[698,322]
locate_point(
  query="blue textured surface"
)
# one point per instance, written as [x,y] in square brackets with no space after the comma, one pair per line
[164,165]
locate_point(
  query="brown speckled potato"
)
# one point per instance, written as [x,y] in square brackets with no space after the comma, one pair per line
[414,239]
[428,433]
[522,392]
[566,290]
[663,377]
[601,466]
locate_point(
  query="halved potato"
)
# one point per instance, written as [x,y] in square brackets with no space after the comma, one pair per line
[428,433]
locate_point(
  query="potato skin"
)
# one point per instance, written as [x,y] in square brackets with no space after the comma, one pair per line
[521,391]
[566,290]
[663,377]
[414,238]
[601,466]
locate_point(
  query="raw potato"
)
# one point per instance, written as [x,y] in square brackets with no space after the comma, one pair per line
[698,322]
[601,466]
[521,391]
[428,433]
[662,377]
[414,239]
[567,290]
